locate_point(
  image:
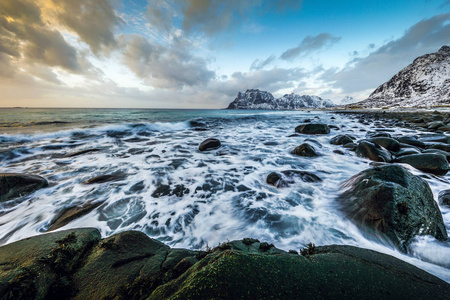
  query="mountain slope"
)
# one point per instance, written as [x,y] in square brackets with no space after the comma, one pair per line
[425,82]
[256,99]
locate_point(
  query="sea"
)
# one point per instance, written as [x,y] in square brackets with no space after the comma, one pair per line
[168,189]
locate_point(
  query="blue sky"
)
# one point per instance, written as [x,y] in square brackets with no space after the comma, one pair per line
[200,54]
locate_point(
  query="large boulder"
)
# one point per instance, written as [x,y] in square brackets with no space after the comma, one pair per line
[411,140]
[305,149]
[390,201]
[249,269]
[342,139]
[430,163]
[312,128]
[15,185]
[373,152]
[386,142]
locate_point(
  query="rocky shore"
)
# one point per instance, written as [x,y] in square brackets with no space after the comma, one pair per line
[386,200]
[78,264]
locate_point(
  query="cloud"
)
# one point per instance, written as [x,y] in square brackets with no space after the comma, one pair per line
[160,14]
[308,45]
[426,36]
[173,66]
[260,64]
[94,21]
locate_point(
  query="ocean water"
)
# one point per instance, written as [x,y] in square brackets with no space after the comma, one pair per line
[187,198]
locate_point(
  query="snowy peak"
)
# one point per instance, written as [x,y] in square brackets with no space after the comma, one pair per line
[425,82]
[256,99]
[347,100]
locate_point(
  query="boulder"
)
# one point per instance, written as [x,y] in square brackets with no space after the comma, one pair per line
[15,185]
[444,198]
[342,139]
[312,128]
[410,140]
[209,144]
[287,177]
[390,201]
[388,143]
[430,163]
[306,150]
[407,151]
[373,152]
[440,146]
[68,214]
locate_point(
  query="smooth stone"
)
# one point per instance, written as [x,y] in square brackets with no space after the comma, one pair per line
[410,140]
[14,185]
[305,150]
[440,146]
[373,152]
[105,178]
[342,139]
[387,143]
[209,144]
[68,214]
[430,163]
[311,128]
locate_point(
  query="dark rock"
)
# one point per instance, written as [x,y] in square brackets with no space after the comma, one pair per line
[304,175]
[105,178]
[342,139]
[440,146]
[209,144]
[373,152]
[435,138]
[82,152]
[334,127]
[387,143]
[306,150]
[178,190]
[407,151]
[313,129]
[435,125]
[350,146]
[15,185]
[437,151]
[444,198]
[276,180]
[379,134]
[430,163]
[390,201]
[287,177]
[68,214]
[338,152]
[410,140]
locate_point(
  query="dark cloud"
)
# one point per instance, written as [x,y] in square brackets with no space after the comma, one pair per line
[260,64]
[426,36]
[172,66]
[93,21]
[25,37]
[160,14]
[309,45]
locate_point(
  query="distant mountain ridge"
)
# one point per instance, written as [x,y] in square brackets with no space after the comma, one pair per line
[425,82]
[256,99]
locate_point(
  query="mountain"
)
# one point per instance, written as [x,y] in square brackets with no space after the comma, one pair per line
[347,100]
[425,82]
[256,99]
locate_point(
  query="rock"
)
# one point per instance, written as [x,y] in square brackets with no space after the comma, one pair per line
[15,185]
[338,152]
[178,190]
[437,151]
[430,163]
[311,128]
[342,139]
[209,144]
[435,125]
[444,198]
[387,143]
[373,152]
[306,150]
[40,267]
[407,151]
[76,264]
[350,146]
[81,152]
[68,214]
[410,140]
[392,202]
[440,146]
[105,178]
[241,271]
[286,178]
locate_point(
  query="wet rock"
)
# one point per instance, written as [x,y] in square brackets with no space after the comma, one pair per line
[178,190]
[209,144]
[350,146]
[305,150]
[390,201]
[287,178]
[14,185]
[68,214]
[444,198]
[311,128]
[407,151]
[440,146]
[373,152]
[342,139]
[379,134]
[105,178]
[435,125]
[81,152]
[430,163]
[437,151]
[338,152]
[387,143]
[410,140]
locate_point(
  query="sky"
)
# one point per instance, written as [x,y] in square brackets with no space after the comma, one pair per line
[200,54]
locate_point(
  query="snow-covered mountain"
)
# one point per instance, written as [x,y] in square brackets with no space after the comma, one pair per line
[347,100]
[256,99]
[425,82]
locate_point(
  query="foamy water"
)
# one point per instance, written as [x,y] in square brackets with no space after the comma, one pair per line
[216,196]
